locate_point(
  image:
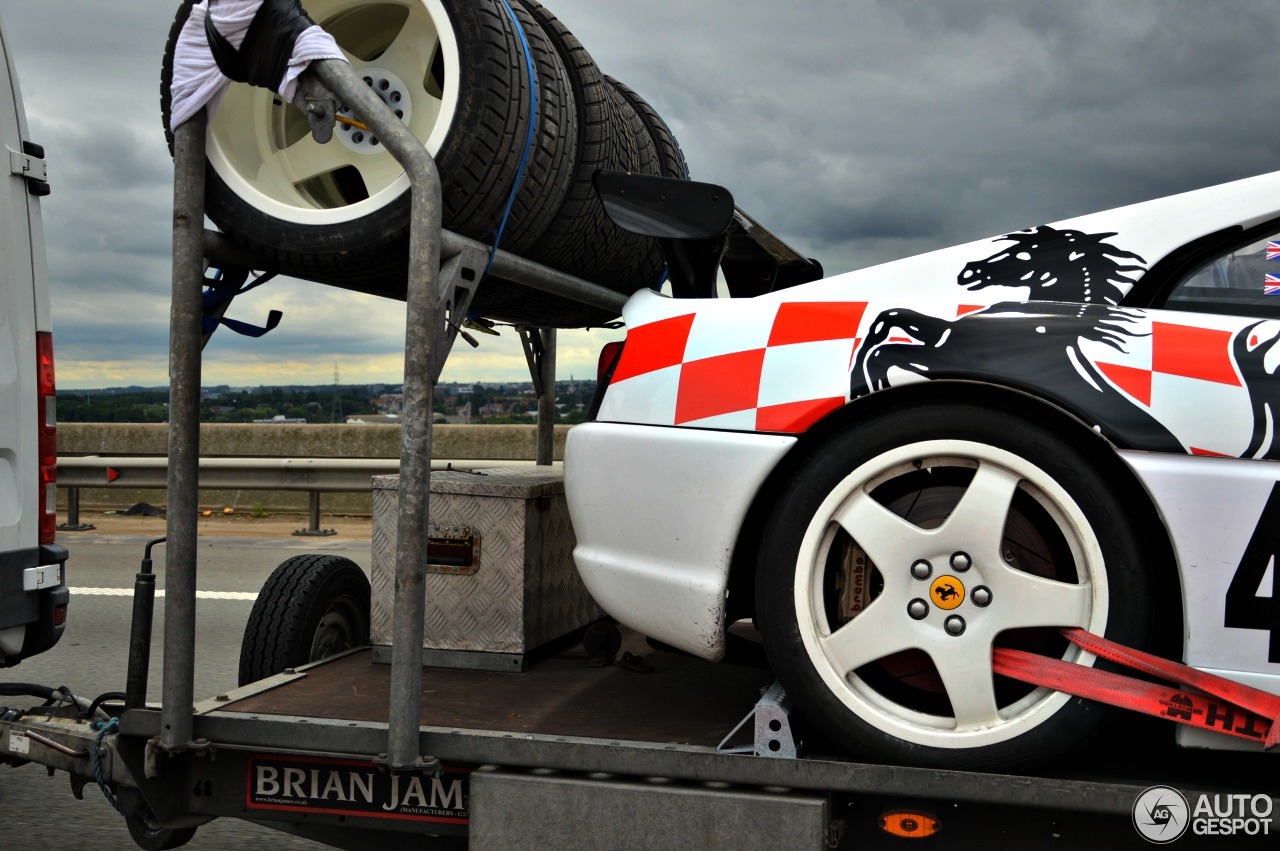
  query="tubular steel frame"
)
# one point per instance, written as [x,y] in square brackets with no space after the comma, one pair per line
[429,299]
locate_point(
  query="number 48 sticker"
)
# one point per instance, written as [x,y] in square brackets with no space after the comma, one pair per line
[1244,608]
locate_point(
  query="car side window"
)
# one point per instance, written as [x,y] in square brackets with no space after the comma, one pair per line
[1245,281]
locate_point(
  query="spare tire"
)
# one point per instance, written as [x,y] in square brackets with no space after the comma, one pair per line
[581,240]
[671,161]
[340,211]
[662,156]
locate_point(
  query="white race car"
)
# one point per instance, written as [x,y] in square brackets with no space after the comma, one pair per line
[898,471]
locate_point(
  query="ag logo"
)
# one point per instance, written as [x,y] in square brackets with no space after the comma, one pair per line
[947,592]
[1161,814]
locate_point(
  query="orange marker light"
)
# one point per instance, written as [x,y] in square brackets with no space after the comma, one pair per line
[909,823]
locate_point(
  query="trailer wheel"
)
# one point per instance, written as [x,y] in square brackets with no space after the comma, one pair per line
[311,607]
[150,835]
[905,549]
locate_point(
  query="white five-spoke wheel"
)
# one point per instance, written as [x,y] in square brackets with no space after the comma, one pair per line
[261,148]
[906,550]
[456,74]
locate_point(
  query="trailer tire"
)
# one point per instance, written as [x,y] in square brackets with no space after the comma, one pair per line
[311,607]
[149,835]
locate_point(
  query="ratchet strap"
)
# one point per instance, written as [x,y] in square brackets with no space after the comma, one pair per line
[216,296]
[1195,698]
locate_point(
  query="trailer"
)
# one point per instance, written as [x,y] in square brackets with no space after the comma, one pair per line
[641,748]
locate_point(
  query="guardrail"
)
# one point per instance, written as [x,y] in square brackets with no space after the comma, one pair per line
[312,475]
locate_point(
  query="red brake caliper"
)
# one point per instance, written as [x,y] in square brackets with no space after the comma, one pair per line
[1197,698]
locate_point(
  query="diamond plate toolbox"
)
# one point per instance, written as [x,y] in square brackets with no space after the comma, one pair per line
[525,591]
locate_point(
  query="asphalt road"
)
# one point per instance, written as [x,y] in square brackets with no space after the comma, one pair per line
[38,811]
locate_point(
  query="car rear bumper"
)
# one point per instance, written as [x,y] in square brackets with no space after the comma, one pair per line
[657,512]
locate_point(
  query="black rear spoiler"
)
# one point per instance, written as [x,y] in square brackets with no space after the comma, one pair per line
[701,231]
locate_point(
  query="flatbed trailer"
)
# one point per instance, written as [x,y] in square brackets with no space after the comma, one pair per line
[666,750]
[572,753]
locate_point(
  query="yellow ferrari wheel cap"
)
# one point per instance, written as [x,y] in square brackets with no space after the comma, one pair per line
[947,592]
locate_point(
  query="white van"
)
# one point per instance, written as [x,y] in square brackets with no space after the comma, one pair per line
[33,596]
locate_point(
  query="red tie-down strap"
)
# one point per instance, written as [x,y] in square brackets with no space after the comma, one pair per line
[1197,698]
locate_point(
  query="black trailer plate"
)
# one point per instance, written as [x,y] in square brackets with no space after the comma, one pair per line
[354,788]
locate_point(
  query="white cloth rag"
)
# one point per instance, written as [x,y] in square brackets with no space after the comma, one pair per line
[197,83]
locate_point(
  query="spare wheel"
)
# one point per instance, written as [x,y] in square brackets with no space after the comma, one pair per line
[455,72]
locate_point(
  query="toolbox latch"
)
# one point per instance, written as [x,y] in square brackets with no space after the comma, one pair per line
[453,550]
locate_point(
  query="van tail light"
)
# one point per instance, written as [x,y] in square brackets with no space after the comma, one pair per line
[48,437]
[609,357]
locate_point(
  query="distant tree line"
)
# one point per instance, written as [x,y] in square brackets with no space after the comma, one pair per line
[323,404]
[491,403]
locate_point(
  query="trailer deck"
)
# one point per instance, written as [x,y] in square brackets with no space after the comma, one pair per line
[561,746]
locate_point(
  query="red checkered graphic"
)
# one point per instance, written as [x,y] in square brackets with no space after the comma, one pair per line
[734,382]
[813,321]
[719,385]
[1203,354]
[657,345]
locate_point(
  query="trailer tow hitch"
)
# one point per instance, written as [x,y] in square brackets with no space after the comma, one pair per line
[1196,698]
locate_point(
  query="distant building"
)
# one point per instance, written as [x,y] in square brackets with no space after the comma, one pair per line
[372,419]
[388,403]
[281,418]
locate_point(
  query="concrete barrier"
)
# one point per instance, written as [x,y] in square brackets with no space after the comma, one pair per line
[269,440]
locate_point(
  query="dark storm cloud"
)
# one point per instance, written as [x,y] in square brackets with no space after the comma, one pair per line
[858,131]
[867,130]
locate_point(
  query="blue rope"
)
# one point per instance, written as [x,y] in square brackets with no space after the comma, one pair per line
[103,728]
[528,141]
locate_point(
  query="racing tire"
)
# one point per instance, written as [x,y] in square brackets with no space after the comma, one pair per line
[340,212]
[671,159]
[859,568]
[580,239]
[651,132]
[310,608]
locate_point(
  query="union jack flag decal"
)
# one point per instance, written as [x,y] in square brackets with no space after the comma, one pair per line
[1273,250]
[1271,285]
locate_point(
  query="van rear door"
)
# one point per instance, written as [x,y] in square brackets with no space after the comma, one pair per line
[33,595]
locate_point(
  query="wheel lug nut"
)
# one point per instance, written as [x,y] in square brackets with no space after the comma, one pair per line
[954,625]
[921,569]
[918,609]
[981,596]
[960,562]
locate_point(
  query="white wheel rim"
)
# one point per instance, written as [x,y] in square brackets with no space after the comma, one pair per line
[260,149]
[975,528]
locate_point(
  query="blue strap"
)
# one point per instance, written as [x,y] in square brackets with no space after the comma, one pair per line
[215,296]
[529,137]
[245,328]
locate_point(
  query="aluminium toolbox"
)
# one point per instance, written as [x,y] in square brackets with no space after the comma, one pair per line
[500,581]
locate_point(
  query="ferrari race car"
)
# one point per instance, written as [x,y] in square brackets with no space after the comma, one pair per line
[900,473]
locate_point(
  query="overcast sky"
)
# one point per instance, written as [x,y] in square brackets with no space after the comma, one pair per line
[858,131]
